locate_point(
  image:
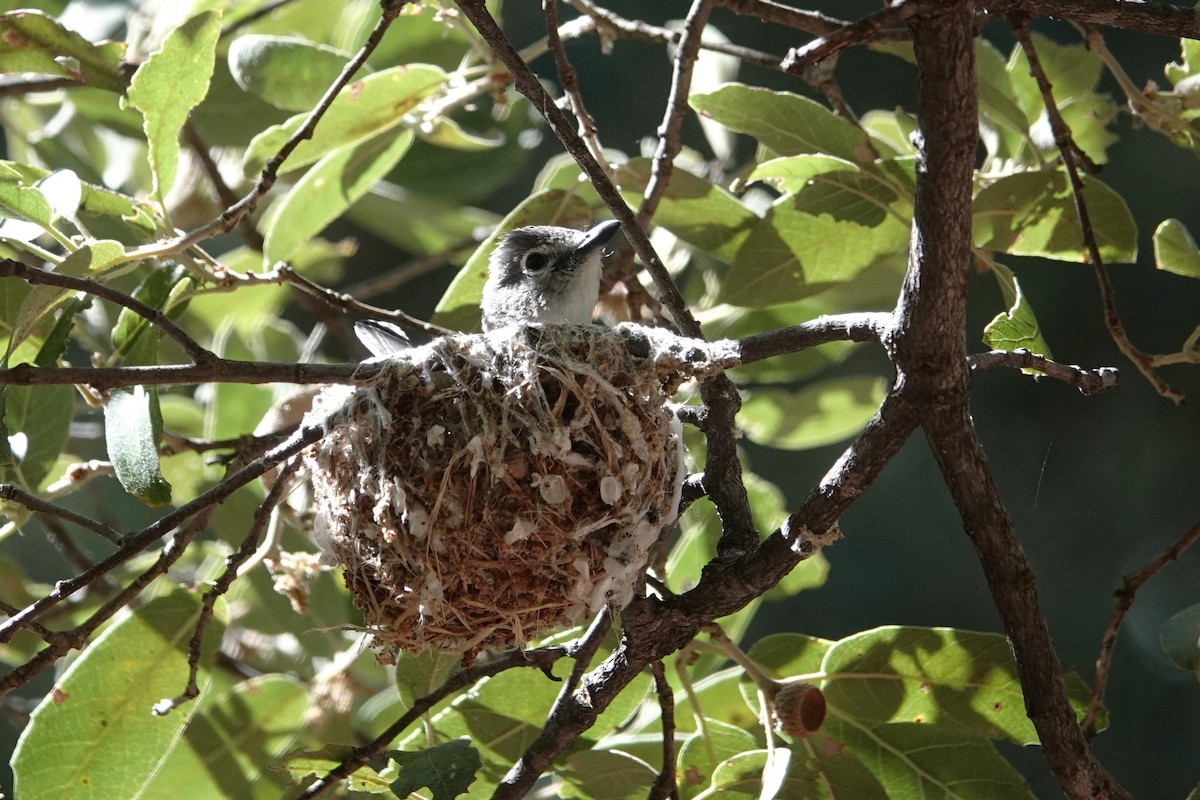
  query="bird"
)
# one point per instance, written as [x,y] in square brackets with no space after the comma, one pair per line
[545,273]
[539,273]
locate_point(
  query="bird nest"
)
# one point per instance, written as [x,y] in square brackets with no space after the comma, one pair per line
[483,489]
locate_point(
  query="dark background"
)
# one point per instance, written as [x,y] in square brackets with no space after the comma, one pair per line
[1097,486]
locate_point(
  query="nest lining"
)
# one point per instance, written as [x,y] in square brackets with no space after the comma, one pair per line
[484,489]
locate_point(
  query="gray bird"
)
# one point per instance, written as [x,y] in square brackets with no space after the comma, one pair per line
[545,274]
[541,273]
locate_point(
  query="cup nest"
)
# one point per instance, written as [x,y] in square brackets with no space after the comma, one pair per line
[484,489]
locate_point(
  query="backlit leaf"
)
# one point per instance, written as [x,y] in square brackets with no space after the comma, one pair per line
[363,109]
[1175,249]
[786,123]
[1033,214]
[820,414]
[168,85]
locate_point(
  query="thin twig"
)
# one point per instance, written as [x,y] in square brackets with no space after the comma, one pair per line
[346,302]
[813,22]
[254,16]
[665,785]
[612,25]
[17,85]
[1087,381]
[39,277]
[191,134]
[1122,602]
[799,59]
[36,504]
[62,643]
[136,542]
[217,370]
[542,658]
[398,276]
[570,85]
[232,564]
[234,213]
[527,83]
[1071,161]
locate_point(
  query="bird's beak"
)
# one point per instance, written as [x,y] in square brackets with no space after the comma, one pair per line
[597,237]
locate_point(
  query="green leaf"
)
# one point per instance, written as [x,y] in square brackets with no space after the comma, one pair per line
[701,754]
[1033,214]
[926,761]
[741,776]
[1016,328]
[997,108]
[786,123]
[362,110]
[286,71]
[1179,638]
[418,674]
[134,339]
[307,763]
[35,42]
[445,132]
[810,242]
[430,225]
[79,739]
[820,414]
[699,213]
[168,85]
[324,193]
[33,212]
[446,769]
[37,420]
[132,428]
[787,655]
[459,306]
[1175,249]
[604,775]
[233,742]
[795,173]
[961,681]
[43,300]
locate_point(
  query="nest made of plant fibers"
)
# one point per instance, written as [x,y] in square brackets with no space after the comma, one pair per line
[484,489]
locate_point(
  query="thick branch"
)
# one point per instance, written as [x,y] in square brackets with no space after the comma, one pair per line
[928,349]
[1131,15]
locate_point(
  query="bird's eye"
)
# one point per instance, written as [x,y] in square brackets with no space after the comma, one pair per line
[535,261]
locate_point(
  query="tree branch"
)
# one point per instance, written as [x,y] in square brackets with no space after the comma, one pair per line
[40,277]
[218,370]
[527,83]
[543,658]
[270,173]
[36,504]
[799,59]
[1122,602]
[1131,15]
[1073,158]
[928,348]
[136,542]
[1087,381]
